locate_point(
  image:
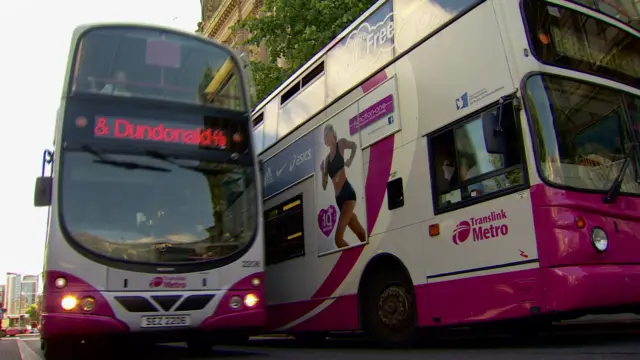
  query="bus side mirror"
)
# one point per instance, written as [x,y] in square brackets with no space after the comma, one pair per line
[494,136]
[42,195]
[245,60]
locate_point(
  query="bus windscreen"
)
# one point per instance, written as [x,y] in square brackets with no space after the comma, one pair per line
[567,38]
[151,64]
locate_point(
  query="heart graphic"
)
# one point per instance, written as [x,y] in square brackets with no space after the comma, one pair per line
[327,219]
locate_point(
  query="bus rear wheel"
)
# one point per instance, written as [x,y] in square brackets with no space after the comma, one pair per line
[389,309]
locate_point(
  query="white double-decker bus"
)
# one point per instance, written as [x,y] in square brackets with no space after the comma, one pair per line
[155,219]
[452,162]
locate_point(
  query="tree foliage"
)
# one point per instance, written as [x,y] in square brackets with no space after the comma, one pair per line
[32,312]
[295,30]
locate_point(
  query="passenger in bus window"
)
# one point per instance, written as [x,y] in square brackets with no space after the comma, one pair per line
[333,166]
[118,87]
[447,176]
[449,170]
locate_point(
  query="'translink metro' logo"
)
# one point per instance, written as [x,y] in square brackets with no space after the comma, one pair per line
[482,228]
[170,282]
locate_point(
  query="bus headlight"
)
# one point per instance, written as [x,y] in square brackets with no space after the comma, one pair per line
[599,239]
[88,304]
[60,282]
[250,300]
[68,302]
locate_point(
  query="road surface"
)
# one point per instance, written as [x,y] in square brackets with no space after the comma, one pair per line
[560,346]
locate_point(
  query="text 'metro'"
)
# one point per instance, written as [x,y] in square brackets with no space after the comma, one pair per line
[146,130]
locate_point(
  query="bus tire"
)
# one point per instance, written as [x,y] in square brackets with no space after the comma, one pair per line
[389,309]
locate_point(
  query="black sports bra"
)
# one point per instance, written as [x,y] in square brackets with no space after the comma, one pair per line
[334,166]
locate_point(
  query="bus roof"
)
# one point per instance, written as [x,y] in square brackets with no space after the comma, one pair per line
[79,29]
[318,56]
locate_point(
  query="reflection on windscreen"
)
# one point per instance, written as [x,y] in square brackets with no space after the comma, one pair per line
[568,38]
[138,62]
[146,215]
[627,11]
[581,132]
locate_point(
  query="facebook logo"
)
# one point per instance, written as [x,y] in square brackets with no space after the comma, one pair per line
[390,120]
[462,102]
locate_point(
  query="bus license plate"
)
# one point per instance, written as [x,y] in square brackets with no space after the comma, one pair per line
[165,321]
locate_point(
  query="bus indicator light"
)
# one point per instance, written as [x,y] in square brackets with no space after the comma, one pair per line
[81,121]
[434,230]
[127,129]
[235,302]
[88,304]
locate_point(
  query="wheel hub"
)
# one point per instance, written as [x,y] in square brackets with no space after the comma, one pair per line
[393,307]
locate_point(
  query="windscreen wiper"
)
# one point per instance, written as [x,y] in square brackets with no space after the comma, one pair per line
[614,190]
[129,165]
[160,156]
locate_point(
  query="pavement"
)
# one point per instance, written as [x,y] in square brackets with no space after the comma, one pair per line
[561,345]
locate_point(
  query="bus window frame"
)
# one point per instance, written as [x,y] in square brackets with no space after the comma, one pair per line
[611,23]
[459,123]
[148,267]
[601,12]
[530,123]
[238,63]
[299,197]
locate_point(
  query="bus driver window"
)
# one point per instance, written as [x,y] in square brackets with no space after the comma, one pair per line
[477,156]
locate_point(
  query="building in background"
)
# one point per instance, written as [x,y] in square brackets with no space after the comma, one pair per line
[21,292]
[12,298]
[2,295]
[29,291]
[218,16]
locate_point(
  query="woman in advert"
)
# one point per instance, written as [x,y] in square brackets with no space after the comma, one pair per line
[333,166]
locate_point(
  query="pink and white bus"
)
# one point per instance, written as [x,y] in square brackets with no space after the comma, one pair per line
[455,162]
[155,220]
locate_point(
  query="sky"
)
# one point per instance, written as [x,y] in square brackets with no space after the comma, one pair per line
[34,43]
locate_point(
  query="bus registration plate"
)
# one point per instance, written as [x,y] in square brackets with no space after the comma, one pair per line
[165,321]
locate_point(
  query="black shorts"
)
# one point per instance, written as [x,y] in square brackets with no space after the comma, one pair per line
[346,194]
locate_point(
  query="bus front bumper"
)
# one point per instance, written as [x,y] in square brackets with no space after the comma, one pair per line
[63,325]
[570,288]
[67,325]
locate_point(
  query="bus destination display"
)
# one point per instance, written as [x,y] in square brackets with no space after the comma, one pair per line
[157,131]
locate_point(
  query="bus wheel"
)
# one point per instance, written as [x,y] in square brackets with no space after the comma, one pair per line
[389,309]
